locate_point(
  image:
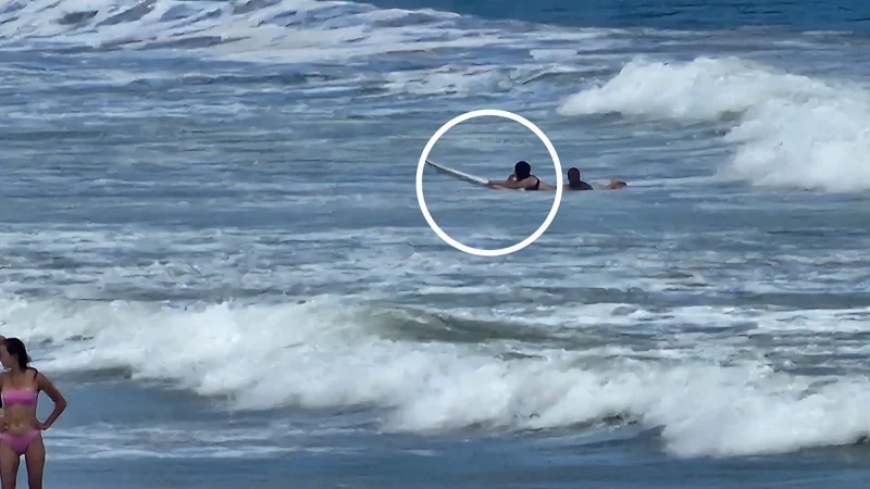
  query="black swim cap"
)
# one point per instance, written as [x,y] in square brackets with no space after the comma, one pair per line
[522,170]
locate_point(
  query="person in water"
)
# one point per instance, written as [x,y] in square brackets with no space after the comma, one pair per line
[20,433]
[575,183]
[521,178]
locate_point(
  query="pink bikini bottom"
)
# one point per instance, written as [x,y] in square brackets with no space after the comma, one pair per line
[19,443]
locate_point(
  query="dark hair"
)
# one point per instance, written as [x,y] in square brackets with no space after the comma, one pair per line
[574,171]
[16,347]
[522,170]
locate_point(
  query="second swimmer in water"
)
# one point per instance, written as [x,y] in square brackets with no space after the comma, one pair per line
[575,183]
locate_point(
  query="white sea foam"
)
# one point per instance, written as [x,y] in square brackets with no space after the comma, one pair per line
[712,396]
[789,130]
[284,31]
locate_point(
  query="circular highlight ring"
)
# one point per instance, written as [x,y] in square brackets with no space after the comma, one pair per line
[556,201]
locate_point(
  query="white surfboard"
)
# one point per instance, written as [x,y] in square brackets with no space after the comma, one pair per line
[465,177]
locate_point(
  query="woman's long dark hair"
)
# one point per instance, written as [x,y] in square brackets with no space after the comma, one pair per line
[16,347]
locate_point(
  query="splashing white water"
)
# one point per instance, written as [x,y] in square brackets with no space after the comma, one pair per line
[271,31]
[326,354]
[792,130]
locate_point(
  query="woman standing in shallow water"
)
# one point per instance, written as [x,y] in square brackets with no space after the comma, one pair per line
[20,433]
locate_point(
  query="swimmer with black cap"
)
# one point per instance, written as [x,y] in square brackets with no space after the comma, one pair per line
[521,179]
[575,183]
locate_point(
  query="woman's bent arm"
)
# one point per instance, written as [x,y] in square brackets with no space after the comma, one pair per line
[59,402]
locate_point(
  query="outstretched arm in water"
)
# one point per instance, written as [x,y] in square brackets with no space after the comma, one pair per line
[513,184]
[613,185]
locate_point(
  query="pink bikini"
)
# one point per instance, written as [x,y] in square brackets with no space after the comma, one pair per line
[25,397]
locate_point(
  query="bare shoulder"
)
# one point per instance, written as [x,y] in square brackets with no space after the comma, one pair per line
[41,379]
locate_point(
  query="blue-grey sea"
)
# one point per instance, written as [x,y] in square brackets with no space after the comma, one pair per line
[210,238]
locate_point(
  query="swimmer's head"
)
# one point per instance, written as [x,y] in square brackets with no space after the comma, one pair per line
[573,175]
[522,170]
[13,353]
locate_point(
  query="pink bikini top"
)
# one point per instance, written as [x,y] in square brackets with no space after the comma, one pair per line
[19,396]
[25,397]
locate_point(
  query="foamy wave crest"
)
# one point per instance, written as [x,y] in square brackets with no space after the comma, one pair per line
[327,354]
[791,130]
[250,30]
[285,30]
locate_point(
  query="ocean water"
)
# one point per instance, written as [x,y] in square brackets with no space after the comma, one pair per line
[210,239]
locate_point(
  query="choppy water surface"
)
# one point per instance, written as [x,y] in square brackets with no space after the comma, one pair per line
[211,239]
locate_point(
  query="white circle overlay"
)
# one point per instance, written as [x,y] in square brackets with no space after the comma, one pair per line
[494,113]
